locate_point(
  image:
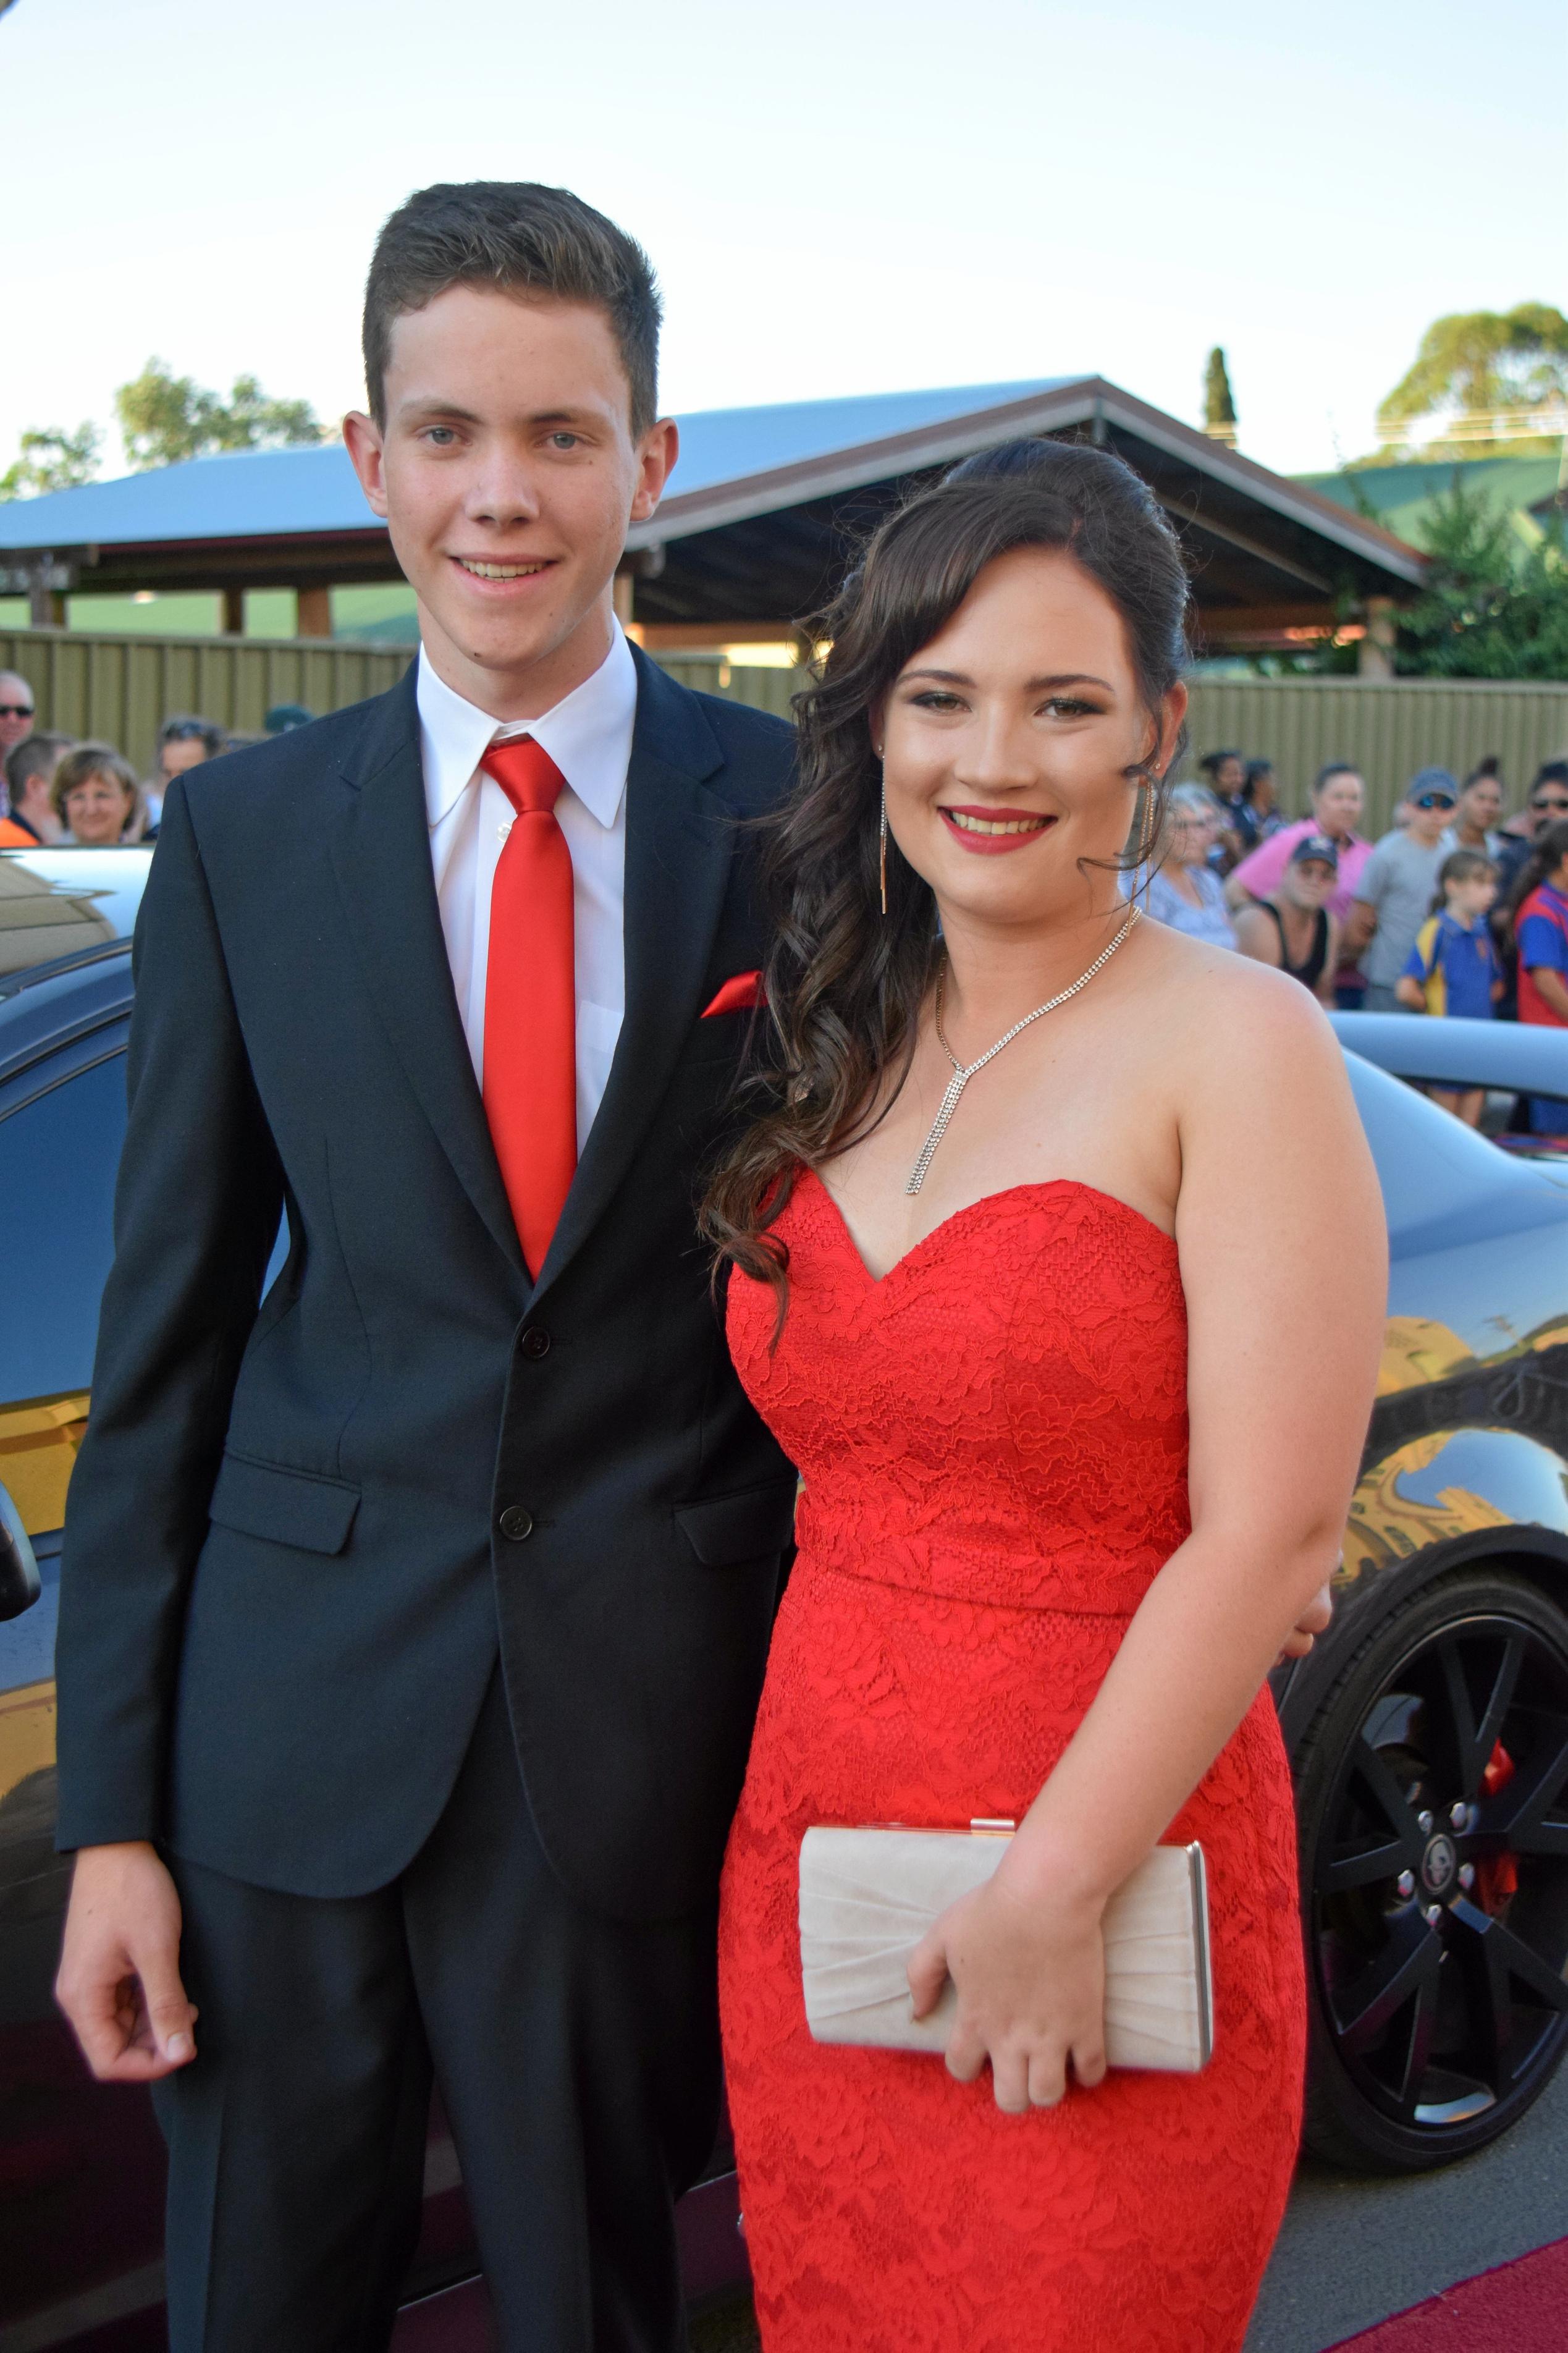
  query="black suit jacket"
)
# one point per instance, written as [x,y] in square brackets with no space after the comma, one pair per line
[298,1538]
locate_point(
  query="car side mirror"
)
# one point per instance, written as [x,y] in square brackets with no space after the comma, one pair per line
[20,1584]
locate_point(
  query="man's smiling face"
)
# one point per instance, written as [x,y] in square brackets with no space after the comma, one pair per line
[508,474]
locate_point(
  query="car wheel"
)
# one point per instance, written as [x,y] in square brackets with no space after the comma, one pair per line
[1433,1802]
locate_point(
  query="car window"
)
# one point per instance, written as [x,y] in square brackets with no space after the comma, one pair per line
[55,901]
[59,1154]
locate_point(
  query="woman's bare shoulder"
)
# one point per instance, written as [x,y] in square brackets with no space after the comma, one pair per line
[1235,1018]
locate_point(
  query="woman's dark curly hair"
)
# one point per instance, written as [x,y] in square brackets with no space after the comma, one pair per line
[844,985]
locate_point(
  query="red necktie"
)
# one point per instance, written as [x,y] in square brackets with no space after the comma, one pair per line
[530,999]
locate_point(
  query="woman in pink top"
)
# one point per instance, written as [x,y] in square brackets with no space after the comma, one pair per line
[1338,798]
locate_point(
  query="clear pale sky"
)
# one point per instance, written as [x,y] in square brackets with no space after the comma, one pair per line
[869,195]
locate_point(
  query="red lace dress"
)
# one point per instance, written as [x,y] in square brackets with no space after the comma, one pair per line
[994,1442]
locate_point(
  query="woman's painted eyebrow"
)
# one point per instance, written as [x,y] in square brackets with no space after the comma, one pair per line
[1034,686]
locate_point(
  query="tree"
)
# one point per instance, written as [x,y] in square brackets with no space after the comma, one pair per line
[165,417]
[1484,370]
[1219,407]
[52,459]
[1491,606]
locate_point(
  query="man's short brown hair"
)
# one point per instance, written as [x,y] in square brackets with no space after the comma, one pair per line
[35,755]
[520,239]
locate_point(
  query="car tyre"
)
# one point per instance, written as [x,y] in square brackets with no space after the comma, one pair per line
[1432,1791]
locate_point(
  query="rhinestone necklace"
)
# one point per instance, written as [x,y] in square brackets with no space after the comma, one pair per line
[962,1074]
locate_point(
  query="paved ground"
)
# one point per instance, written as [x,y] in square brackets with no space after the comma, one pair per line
[1353,2251]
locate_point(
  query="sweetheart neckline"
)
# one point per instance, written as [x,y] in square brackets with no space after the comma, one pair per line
[986,1201]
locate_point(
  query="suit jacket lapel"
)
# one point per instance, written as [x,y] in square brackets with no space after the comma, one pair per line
[680,836]
[380,851]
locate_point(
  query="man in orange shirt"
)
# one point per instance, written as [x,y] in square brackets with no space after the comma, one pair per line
[30,772]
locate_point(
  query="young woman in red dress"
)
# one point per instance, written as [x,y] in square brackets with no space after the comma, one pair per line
[1078,1416]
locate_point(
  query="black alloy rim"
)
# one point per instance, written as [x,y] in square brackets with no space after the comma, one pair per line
[1439,1904]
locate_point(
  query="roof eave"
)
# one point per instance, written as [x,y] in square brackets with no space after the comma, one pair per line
[1080,403]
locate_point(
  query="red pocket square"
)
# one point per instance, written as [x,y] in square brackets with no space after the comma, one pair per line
[744,994]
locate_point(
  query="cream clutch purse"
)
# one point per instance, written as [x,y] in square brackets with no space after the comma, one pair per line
[867,1896]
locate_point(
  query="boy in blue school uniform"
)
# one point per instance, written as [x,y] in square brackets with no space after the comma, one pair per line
[1453,968]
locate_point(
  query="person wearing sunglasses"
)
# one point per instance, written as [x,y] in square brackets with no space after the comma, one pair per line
[1547,805]
[1394,893]
[18,712]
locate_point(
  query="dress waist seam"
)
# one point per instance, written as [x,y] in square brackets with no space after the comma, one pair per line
[809,1561]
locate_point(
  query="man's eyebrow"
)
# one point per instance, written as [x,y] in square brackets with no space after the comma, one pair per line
[435,404]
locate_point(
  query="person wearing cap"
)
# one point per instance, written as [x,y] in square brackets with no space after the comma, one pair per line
[1292,928]
[1397,886]
[284,717]
[1338,798]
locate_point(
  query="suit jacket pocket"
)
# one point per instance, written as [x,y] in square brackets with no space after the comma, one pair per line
[289,1507]
[724,1529]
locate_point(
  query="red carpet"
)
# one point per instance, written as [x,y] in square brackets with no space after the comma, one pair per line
[1521,2307]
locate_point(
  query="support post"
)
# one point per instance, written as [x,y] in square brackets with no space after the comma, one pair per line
[234,612]
[1375,658]
[313,612]
[625,592]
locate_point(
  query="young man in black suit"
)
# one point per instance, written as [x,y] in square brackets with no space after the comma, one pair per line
[414,1615]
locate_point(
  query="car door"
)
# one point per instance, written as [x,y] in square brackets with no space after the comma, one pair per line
[80,2163]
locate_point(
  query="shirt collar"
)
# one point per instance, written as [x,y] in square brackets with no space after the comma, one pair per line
[588,734]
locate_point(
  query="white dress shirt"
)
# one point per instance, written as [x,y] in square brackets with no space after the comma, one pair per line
[589,737]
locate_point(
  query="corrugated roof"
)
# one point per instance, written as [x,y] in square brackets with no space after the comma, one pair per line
[265,493]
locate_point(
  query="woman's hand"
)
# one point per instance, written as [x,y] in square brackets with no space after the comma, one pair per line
[1030,1978]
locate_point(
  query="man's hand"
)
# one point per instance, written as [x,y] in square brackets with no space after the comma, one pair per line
[119,1980]
[1315,1620]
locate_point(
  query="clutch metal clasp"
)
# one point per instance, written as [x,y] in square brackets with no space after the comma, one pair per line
[991,1826]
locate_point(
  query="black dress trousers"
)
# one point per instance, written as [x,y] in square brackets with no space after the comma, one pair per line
[578,2063]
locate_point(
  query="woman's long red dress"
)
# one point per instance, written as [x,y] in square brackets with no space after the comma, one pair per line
[993,1440]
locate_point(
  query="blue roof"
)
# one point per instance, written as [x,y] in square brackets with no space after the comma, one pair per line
[263,494]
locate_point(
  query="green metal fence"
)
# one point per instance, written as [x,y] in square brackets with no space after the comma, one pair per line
[1387,729]
[122,687]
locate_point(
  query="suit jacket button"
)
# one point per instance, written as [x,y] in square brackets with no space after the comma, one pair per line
[534,1343]
[515,1524]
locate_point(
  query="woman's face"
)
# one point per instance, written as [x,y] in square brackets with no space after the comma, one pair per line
[96,810]
[1006,742]
[1194,833]
[1263,792]
[1229,777]
[1338,805]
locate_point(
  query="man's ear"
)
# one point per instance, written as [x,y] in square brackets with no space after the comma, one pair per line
[363,436]
[656,462]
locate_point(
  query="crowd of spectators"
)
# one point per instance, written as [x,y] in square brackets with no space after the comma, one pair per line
[58,792]
[1457,909]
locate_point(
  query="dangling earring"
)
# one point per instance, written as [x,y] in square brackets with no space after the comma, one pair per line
[1151,789]
[884,837]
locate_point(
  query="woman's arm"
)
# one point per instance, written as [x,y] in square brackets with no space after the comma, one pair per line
[1278,1186]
